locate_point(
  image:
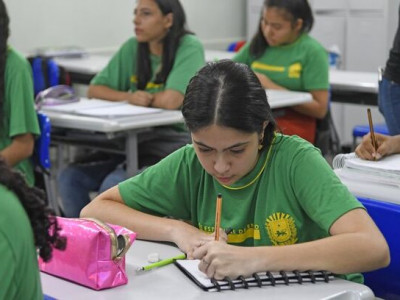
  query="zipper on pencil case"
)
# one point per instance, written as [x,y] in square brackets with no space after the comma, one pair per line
[119,243]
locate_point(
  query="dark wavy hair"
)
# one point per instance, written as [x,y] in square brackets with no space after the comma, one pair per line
[228,94]
[170,45]
[43,222]
[294,10]
[4,34]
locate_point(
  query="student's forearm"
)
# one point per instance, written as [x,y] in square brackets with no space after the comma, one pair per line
[21,148]
[168,99]
[146,226]
[347,253]
[396,143]
[104,92]
[311,109]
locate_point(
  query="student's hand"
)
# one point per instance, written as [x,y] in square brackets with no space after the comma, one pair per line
[264,80]
[188,238]
[386,145]
[140,98]
[219,260]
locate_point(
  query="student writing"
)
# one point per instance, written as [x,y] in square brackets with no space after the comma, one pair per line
[386,145]
[151,69]
[278,191]
[18,119]
[284,56]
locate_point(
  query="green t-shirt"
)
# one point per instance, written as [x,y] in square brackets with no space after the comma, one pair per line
[296,199]
[19,270]
[19,115]
[300,66]
[120,73]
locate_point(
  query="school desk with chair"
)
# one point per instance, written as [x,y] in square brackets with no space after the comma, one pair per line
[168,282]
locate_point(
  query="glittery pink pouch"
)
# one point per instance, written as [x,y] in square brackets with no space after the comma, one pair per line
[95,253]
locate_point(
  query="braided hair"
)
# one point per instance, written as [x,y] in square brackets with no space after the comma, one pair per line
[42,219]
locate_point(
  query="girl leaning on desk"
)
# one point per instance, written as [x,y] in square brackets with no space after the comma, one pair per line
[284,56]
[151,69]
[18,119]
[277,191]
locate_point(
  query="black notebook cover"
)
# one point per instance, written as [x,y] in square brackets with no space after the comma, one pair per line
[190,268]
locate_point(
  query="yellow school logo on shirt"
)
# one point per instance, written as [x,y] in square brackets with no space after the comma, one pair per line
[281,229]
[150,85]
[264,67]
[294,70]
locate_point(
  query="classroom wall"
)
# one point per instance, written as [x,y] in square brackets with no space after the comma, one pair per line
[102,25]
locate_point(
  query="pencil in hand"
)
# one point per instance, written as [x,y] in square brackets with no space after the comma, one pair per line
[371,129]
[218,216]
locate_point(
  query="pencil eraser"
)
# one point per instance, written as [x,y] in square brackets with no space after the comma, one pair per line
[153,257]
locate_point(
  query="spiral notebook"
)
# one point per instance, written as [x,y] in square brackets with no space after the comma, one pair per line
[190,269]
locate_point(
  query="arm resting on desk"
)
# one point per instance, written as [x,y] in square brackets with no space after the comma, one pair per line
[168,99]
[20,149]
[356,245]
[316,108]
[109,207]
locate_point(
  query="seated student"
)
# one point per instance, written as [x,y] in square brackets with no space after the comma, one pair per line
[18,119]
[284,56]
[277,191]
[387,145]
[151,69]
[25,221]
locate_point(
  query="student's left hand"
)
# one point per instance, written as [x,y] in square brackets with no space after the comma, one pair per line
[219,260]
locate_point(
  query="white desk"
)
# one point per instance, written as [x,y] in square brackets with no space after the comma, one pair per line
[132,126]
[128,126]
[170,283]
[82,69]
[353,81]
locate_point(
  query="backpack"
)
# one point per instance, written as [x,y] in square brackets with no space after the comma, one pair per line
[46,73]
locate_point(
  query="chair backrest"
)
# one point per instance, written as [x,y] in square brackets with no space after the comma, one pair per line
[386,282]
[42,144]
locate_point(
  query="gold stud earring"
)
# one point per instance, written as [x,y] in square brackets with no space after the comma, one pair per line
[260,146]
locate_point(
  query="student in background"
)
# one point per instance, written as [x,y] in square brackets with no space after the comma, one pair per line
[277,191]
[18,119]
[25,221]
[284,56]
[151,69]
[387,145]
[389,87]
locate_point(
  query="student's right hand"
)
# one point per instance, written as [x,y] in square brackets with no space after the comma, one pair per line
[140,98]
[386,145]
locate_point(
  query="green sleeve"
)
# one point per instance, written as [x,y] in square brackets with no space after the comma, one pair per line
[19,92]
[243,56]
[117,74]
[9,288]
[188,60]
[162,189]
[316,70]
[321,194]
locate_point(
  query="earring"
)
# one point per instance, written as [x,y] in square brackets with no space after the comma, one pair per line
[260,146]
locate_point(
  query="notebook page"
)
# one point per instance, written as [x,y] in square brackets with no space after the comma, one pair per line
[122,110]
[388,164]
[81,105]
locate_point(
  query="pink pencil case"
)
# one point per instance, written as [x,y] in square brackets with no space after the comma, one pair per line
[94,255]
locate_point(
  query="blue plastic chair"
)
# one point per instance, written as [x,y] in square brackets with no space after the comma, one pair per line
[42,162]
[361,130]
[386,282]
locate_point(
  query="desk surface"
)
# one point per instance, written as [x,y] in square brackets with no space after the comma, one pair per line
[170,283]
[165,117]
[351,81]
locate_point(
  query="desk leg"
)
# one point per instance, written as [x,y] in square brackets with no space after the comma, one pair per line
[131,149]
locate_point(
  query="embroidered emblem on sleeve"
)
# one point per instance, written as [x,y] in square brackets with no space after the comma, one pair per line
[281,229]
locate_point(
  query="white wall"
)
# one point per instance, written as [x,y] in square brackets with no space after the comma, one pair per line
[99,25]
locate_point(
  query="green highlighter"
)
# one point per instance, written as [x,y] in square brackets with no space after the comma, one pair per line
[162,263]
